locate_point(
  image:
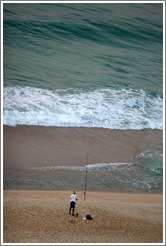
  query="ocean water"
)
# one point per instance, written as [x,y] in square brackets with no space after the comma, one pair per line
[85,65]
[94,65]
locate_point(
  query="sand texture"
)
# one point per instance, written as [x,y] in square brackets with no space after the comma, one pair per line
[42,217]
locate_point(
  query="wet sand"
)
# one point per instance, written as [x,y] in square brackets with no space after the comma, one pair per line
[34,146]
[42,217]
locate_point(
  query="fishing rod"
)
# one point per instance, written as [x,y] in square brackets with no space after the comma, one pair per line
[86,174]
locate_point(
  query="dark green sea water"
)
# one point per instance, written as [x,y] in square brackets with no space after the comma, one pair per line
[98,65]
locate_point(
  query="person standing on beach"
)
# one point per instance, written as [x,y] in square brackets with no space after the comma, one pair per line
[74,198]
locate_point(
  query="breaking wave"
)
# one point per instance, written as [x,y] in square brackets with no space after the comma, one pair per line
[107,108]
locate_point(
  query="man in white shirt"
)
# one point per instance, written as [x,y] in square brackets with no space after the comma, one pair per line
[74,198]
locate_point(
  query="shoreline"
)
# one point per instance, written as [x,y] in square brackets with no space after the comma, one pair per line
[85,127]
[81,127]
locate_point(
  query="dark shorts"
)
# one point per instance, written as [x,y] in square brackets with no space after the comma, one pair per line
[72,204]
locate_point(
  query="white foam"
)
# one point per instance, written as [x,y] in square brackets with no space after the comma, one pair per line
[52,168]
[107,108]
[81,168]
[101,165]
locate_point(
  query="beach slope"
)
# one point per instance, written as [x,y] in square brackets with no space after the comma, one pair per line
[35,146]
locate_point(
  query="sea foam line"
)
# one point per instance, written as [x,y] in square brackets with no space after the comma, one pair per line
[80,168]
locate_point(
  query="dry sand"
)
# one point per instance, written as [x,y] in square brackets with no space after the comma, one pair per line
[42,217]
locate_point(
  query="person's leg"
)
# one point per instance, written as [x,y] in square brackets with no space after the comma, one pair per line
[73,208]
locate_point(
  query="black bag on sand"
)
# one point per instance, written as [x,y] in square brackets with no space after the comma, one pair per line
[88,217]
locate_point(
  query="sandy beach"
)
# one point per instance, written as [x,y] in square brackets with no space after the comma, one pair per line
[42,217]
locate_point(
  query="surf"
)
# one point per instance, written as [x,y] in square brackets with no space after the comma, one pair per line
[112,108]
